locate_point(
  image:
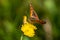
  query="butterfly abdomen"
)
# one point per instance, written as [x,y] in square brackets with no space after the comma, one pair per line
[41,21]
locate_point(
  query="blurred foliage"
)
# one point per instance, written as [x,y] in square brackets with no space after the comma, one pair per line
[11,18]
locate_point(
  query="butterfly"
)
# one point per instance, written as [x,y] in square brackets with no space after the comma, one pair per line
[34,17]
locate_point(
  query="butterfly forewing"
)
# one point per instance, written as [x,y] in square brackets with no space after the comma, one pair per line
[34,17]
[33,14]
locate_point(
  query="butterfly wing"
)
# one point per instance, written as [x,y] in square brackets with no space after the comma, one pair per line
[34,17]
[33,14]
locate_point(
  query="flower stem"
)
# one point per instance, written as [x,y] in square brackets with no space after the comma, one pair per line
[21,37]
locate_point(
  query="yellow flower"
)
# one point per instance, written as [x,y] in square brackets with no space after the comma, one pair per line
[27,28]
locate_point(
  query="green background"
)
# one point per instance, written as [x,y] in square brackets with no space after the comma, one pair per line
[11,18]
